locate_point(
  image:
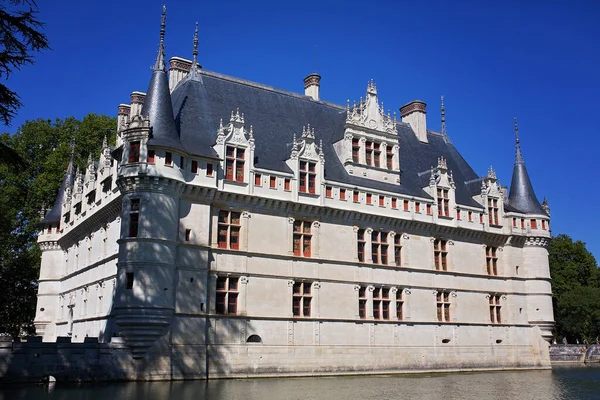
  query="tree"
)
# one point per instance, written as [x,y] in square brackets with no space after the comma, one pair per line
[575,289]
[20,36]
[24,190]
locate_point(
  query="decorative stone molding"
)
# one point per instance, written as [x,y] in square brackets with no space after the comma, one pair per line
[355,229]
[357,287]
[246,214]
[536,241]
[316,285]
[405,236]
[316,224]
[408,291]
[291,220]
[243,280]
[369,114]
[370,288]
[290,283]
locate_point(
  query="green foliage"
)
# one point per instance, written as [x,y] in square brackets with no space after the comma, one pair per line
[575,289]
[20,36]
[45,146]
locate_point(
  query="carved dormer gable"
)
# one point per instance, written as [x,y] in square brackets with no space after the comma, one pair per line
[307,160]
[370,114]
[370,147]
[90,172]
[491,198]
[442,188]
[235,132]
[306,148]
[78,183]
[491,185]
[105,158]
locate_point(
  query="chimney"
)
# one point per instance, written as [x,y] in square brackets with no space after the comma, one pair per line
[312,83]
[178,69]
[414,114]
[122,119]
[137,101]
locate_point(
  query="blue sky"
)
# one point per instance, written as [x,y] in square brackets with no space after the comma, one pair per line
[536,60]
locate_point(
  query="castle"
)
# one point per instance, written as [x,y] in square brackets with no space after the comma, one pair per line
[251,231]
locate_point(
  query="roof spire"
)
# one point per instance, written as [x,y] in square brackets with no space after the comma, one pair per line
[194,68]
[159,65]
[54,214]
[522,197]
[443,118]
[519,155]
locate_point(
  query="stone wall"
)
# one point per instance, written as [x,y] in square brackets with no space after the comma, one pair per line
[574,353]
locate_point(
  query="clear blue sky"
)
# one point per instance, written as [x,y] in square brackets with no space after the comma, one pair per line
[536,60]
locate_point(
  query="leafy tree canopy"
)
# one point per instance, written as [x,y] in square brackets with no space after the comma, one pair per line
[45,146]
[575,289]
[20,36]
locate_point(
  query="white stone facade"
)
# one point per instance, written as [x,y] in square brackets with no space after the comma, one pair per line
[389,282]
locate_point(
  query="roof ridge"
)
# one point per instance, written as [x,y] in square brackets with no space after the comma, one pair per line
[270,88]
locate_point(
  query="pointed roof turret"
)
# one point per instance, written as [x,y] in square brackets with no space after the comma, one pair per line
[157,105]
[522,196]
[55,212]
[194,73]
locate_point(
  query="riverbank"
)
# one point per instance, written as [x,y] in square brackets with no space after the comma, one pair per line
[574,353]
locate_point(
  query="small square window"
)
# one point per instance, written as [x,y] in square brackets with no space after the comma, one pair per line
[168,158]
[129,283]
[188,235]
[209,169]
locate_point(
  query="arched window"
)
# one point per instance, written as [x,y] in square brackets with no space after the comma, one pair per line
[254,339]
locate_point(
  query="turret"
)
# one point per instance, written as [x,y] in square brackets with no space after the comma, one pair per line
[52,261]
[144,298]
[534,260]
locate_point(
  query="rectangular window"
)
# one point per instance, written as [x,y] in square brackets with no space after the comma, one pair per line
[417,207]
[493,212]
[522,223]
[440,254]
[234,164]
[381,201]
[328,192]
[168,158]
[381,303]
[458,214]
[369,153]
[361,245]
[399,305]
[106,185]
[355,150]
[134,215]
[543,224]
[369,198]
[406,205]
[287,184]
[470,216]
[78,208]
[301,299]
[91,197]
[379,247]
[151,156]
[491,260]
[273,182]
[443,203]
[342,194]
[443,306]
[181,162]
[129,283]
[188,235]
[481,218]
[397,250]
[308,176]
[428,208]
[226,295]
[257,180]
[362,302]
[209,169]
[394,203]
[228,236]
[355,196]
[514,222]
[134,152]
[302,238]
[389,158]
[533,224]
[495,307]
[377,155]
[194,167]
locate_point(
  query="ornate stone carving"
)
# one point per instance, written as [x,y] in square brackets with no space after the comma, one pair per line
[369,114]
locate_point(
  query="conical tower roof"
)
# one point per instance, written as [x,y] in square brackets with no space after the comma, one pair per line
[157,105]
[54,214]
[522,197]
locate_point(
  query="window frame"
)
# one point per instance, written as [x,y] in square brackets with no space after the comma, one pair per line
[302,235]
[229,293]
[302,296]
[232,230]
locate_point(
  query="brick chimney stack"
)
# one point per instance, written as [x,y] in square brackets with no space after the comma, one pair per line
[312,84]
[415,114]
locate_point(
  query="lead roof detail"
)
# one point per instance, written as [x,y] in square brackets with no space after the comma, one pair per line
[522,197]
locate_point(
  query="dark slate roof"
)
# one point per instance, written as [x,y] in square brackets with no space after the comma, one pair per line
[54,214]
[276,115]
[158,108]
[522,197]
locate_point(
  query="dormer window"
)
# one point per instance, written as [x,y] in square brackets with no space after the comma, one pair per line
[355,151]
[369,152]
[308,176]
[443,203]
[234,164]
[493,211]
[377,154]
[389,158]
[134,152]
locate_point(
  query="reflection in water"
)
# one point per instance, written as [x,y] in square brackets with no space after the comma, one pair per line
[579,382]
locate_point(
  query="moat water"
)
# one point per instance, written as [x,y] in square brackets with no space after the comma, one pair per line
[564,382]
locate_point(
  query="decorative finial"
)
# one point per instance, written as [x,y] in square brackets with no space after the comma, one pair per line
[194,68]
[443,117]
[518,155]
[105,142]
[545,206]
[160,58]
[90,159]
[432,177]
